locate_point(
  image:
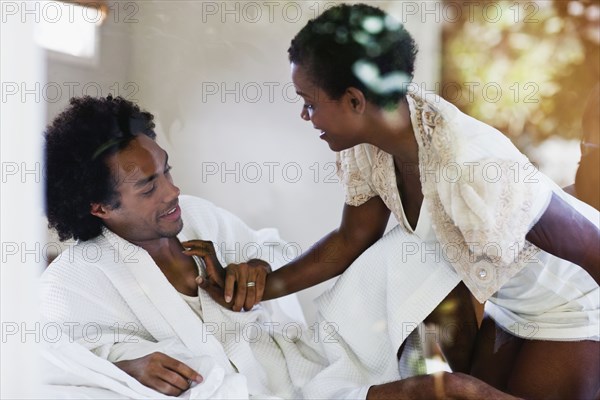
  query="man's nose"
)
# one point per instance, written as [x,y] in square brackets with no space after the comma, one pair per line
[172,192]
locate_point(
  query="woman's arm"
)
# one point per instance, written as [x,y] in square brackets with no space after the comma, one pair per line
[565,233]
[360,227]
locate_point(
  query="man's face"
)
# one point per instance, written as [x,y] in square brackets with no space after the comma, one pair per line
[148,199]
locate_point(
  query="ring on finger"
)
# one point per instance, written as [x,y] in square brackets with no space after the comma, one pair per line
[250,284]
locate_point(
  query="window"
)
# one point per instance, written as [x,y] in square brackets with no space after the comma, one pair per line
[70,29]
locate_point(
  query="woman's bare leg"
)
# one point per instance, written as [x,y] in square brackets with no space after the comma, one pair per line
[556,370]
[536,369]
[495,353]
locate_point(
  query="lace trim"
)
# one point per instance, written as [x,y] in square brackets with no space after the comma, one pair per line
[486,247]
[358,190]
[481,255]
[353,168]
[383,178]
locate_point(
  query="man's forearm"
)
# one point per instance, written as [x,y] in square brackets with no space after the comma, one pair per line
[415,388]
[441,385]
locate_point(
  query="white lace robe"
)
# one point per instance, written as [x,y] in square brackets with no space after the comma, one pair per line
[481,197]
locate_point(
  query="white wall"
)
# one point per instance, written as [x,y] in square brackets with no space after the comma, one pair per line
[216,76]
[21,214]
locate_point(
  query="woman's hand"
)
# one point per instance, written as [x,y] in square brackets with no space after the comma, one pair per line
[248,281]
[235,287]
[205,249]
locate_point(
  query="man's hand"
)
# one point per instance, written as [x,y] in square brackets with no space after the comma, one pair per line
[247,279]
[161,373]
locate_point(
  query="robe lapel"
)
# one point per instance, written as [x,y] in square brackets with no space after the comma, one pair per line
[155,301]
[229,327]
[233,330]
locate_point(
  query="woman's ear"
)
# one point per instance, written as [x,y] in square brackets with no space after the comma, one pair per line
[356,99]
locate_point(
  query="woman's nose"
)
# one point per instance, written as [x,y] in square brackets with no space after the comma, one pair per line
[304,114]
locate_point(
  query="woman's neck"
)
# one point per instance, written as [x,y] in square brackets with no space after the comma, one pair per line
[393,133]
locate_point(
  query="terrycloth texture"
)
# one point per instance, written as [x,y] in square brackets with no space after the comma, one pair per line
[74,372]
[110,297]
[481,192]
[373,307]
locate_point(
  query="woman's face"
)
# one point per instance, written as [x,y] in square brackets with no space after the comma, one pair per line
[337,121]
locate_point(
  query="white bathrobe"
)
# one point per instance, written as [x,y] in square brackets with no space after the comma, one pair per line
[377,304]
[111,302]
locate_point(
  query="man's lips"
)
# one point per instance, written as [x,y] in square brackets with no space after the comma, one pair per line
[172,213]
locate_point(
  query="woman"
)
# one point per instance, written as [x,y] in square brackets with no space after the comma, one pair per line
[453,181]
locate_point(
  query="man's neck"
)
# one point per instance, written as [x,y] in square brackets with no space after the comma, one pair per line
[179,269]
[163,250]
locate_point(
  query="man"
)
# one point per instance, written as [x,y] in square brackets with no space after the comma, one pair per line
[128,290]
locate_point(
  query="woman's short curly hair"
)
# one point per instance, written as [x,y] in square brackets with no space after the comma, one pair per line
[357,46]
[77,145]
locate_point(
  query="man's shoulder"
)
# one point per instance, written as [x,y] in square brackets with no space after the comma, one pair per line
[80,258]
[202,218]
[201,211]
[187,201]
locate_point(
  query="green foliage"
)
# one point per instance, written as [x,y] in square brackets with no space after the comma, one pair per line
[525,70]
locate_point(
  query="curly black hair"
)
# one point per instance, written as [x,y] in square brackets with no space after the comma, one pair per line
[77,145]
[357,46]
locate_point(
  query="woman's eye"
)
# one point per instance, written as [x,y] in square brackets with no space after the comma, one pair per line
[308,107]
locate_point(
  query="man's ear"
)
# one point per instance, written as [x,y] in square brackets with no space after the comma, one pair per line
[356,99]
[99,210]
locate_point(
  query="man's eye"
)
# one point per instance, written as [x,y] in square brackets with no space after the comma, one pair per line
[308,107]
[149,192]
